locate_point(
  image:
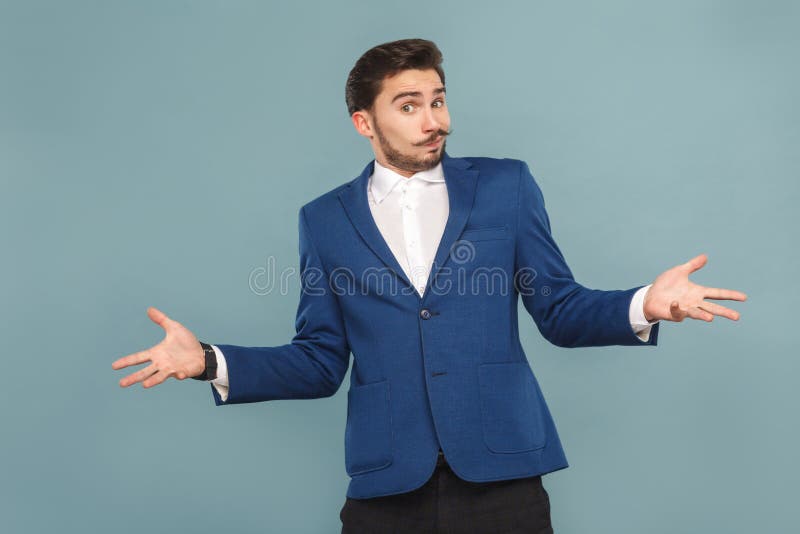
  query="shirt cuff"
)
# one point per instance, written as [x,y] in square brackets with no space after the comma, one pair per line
[639,324]
[221,382]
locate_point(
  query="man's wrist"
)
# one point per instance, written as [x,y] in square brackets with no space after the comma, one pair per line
[645,301]
[210,371]
[637,315]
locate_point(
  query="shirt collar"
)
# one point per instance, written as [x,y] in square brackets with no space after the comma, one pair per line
[383,180]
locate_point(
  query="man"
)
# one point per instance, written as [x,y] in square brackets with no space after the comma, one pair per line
[415,267]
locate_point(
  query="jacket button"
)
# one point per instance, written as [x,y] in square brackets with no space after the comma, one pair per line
[425,313]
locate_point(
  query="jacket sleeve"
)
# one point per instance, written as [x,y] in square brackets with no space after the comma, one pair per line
[313,365]
[566,313]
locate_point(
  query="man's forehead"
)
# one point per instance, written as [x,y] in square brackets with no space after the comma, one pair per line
[412,80]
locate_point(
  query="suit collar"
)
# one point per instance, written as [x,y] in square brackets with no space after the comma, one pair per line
[460,179]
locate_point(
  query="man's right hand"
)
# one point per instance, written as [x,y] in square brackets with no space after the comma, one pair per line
[179,355]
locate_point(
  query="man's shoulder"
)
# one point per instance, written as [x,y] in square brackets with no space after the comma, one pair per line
[494,163]
[505,171]
[325,199]
[328,200]
[492,168]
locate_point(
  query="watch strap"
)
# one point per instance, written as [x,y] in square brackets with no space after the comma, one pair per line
[210,372]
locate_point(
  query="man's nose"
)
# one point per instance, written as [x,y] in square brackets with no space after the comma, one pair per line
[430,122]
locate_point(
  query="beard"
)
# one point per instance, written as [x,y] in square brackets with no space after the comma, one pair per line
[409,162]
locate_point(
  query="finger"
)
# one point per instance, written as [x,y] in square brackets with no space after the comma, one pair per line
[158,317]
[155,379]
[696,313]
[131,359]
[722,311]
[139,375]
[724,294]
[695,263]
[676,312]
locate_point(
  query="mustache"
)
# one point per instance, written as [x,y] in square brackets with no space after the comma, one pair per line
[437,135]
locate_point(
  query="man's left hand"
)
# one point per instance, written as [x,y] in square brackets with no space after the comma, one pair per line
[672,297]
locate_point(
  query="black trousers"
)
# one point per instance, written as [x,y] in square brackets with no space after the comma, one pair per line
[448,504]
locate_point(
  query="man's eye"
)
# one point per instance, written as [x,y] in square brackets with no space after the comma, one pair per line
[440,102]
[407,106]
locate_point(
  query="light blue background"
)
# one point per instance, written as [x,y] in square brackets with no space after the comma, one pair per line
[156,153]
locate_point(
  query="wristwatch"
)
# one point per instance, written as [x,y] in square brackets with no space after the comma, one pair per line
[210,372]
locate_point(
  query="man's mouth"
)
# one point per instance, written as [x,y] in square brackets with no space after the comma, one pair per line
[435,143]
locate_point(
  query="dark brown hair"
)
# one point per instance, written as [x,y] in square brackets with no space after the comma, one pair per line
[387,59]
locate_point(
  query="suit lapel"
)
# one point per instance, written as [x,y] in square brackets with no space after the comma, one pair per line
[356,204]
[460,180]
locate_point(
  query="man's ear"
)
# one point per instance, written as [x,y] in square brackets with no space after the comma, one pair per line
[361,122]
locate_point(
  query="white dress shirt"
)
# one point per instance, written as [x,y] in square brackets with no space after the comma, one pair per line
[411,214]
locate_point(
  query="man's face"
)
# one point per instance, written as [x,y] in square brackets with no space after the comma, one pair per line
[408,122]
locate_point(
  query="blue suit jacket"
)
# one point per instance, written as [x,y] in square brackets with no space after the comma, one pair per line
[446,369]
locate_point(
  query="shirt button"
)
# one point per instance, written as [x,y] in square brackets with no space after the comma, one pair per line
[425,313]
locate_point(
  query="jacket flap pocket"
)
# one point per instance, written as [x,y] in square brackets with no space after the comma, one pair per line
[368,432]
[511,407]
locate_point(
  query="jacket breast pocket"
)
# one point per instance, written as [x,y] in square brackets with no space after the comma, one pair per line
[368,432]
[511,408]
[485,233]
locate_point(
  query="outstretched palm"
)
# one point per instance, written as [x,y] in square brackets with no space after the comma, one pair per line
[178,355]
[673,297]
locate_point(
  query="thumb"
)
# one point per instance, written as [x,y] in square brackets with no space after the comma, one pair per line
[158,317]
[696,263]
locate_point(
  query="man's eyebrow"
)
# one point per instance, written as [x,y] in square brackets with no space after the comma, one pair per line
[437,91]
